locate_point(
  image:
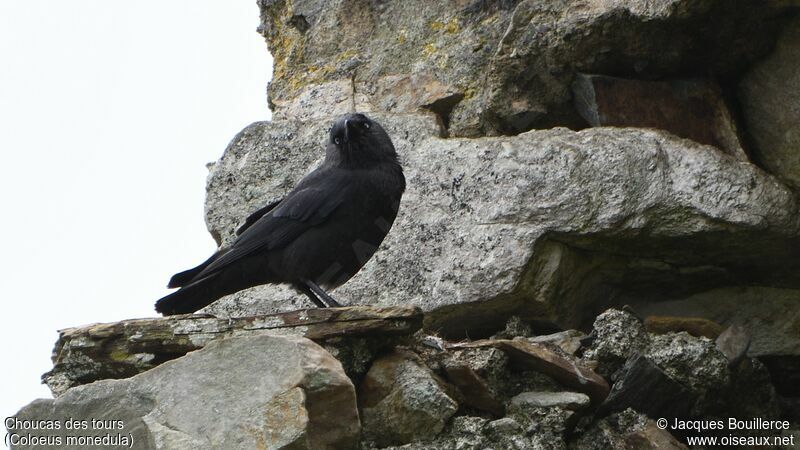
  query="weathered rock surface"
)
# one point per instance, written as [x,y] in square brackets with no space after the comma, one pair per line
[692,109]
[734,343]
[545,427]
[519,382]
[476,433]
[547,223]
[566,400]
[569,340]
[494,67]
[695,362]
[626,430]
[771,315]
[548,360]
[402,401]
[503,232]
[668,374]
[475,391]
[617,335]
[644,387]
[261,391]
[123,349]
[770,96]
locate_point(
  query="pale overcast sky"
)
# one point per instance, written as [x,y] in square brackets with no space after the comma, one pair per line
[109,111]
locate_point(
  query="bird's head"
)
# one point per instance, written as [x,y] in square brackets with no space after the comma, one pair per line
[355,139]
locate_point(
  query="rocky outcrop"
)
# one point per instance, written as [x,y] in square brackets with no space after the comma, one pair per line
[260,391]
[278,389]
[548,223]
[770,95]
[494,67]
[123,349]
[601,228]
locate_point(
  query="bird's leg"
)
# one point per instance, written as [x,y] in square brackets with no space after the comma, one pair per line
[322,295]
[310,294]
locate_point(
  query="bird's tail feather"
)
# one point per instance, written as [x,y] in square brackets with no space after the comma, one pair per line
[190,297]
[183,278]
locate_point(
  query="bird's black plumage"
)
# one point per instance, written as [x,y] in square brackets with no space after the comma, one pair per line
[319,235]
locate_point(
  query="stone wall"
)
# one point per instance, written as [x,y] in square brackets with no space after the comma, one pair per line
[601,229]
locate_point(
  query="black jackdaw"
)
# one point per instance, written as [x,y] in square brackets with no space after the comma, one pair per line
[315,238]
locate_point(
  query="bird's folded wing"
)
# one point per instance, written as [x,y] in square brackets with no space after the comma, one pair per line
[252,218]
[307,206]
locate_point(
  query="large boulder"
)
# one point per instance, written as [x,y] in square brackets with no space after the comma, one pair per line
[497,67]
[770,97]
[261,391]
[547,223]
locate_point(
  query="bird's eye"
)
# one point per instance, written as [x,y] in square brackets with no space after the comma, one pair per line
[366,124]
[337,141]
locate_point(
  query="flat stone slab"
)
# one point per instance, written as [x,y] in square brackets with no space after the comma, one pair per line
[123,349]
[568,400]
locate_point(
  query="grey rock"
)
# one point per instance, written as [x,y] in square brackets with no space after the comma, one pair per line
[544,426]
[771,315]
[402,401]
[515,327]
[694,362]
[489,363]
[770,95]
[230,394]
[478,221]
[568,400]
[505,426]
[475,391]
[494,67]
[464,433]
[626,430]
[733,343]
[549,360]
[507,433]
[618,335]
[503,378]
[644,387]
